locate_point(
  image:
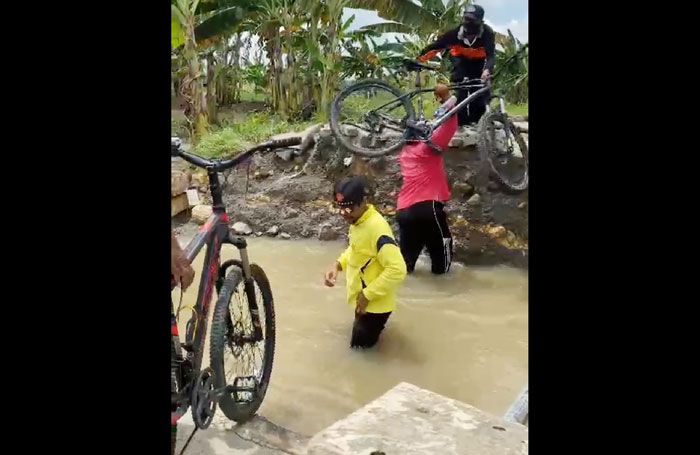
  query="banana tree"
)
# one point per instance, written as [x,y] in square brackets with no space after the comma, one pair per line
[191,85]
[197,25]
[512,69]
[425,20]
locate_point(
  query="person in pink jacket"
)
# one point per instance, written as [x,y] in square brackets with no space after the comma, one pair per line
[422,198]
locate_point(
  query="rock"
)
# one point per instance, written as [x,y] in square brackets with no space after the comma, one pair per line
[258,234]
[285,236]
[273,231]
[349,131]
[263,174]
[469,140]
[456,142]
[297,168]
[463,190]
[179,182]
[291,213]
[521,126]
[497,231]
[200,180]
[348,161]
[200,213]
[179,204]
[285,154]
[388,211]
[241,228]
[522,205]
[326,232]
[474,200]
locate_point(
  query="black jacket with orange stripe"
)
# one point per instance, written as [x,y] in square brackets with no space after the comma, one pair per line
[469,57]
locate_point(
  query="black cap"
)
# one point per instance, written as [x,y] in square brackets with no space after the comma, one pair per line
[351,191]
[474,12]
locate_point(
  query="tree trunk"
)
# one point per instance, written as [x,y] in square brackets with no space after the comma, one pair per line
[235,64]
[192,87]
[211,88]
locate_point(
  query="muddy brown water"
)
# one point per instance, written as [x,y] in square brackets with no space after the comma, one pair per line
[463,335]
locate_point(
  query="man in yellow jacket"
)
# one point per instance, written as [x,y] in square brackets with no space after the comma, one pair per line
[373,264]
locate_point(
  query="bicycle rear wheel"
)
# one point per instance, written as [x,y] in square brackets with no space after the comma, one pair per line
[501,145]
[369,118]
[234,357]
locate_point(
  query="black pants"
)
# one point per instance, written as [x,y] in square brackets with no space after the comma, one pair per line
[425,224]
[473,111]
[366,329]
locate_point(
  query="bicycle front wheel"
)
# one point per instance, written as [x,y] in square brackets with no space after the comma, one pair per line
[237,357]
[369,118]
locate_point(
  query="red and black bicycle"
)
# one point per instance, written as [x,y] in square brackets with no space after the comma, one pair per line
[242,336]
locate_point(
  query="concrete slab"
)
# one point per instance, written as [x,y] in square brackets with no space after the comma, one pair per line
[409,420]
[257,437]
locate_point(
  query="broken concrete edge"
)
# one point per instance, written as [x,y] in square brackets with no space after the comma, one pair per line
[518,411]
[258,431]
[413,421]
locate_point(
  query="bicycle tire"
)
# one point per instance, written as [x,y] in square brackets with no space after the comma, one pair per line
[487,149]
[237,411]
[335,117]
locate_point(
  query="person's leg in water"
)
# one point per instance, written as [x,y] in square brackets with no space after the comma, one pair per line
[428,226]
[411,240]
[367,328]
[438,239]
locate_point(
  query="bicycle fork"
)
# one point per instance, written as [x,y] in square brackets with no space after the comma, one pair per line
[249,283]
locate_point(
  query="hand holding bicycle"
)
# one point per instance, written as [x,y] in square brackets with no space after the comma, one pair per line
[181,271]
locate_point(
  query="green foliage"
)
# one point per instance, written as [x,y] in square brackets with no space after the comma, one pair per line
[236,137]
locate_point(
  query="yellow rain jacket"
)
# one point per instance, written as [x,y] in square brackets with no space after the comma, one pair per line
[373,263]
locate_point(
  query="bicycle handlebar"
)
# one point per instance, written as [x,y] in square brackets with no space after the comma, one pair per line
[222,165]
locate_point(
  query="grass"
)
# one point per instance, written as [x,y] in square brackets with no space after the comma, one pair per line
[517,109]
[252,129]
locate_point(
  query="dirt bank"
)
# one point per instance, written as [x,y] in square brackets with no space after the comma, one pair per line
[488,225]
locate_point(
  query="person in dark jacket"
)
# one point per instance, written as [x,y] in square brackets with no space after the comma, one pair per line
[472,49]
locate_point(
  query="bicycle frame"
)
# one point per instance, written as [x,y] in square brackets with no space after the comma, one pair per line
[214,234]
[443,118]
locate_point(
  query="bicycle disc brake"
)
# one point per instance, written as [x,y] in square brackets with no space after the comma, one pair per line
[203,407]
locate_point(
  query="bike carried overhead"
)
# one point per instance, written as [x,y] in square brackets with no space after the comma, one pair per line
[373,118]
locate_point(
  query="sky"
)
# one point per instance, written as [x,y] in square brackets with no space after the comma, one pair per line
[500,14]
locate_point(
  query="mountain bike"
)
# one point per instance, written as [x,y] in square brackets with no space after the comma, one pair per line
[373,118]
[242,333]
